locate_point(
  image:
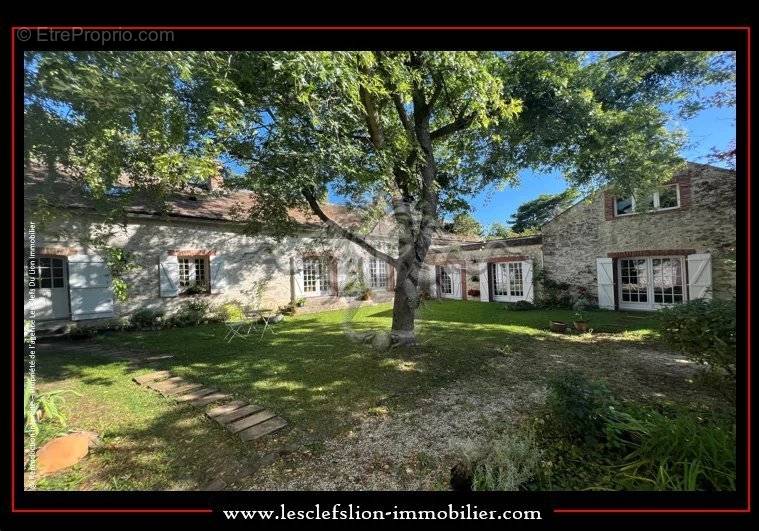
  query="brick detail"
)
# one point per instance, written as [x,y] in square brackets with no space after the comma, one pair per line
[685,190]
[512,258]
[56,251]
[654,252]
[608,206]
[191,252]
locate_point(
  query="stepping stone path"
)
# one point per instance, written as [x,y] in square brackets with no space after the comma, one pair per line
[250,421]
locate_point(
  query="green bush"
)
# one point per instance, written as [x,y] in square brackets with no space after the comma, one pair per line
[230,311]
[520,306]
[704,330]
[146,318]
[679,451]
[82,332]
[192,313]
[576,407]
[506,464]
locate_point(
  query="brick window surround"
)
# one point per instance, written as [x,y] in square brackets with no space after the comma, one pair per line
[191,252]
[651,252]
[511,258]
[683,182]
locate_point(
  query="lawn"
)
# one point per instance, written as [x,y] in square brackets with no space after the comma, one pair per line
[358,417]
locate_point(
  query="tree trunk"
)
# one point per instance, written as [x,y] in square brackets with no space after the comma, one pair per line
[406,303]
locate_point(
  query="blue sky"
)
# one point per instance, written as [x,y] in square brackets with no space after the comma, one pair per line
[713,127]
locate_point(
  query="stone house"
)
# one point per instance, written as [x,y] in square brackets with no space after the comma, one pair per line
[197,248]
[677,245]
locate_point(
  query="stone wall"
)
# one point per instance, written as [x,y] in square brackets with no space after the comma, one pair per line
[705,223]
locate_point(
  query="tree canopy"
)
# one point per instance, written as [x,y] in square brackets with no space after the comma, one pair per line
[533,214]
[464,224]
[410,133]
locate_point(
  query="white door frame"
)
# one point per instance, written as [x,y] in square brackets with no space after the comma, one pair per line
[454,273]
[53,303]
[502,272]
[650,304]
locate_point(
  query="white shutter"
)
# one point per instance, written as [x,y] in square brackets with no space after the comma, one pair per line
[219,280]
[605,274]
[529,294]
[342,275]
[90,287]
[168,272]
[297,273]
[456,277]
[699,276]
[484,284]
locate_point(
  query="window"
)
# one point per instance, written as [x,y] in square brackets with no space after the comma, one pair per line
[507,280]
[446,282]
[649,283]
[377,274]
[50,273]
[666,198]
[193,272]
[316,277]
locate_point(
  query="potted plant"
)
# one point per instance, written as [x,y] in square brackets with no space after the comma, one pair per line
[300,302]
[366,294]
[581,324]
[558,326]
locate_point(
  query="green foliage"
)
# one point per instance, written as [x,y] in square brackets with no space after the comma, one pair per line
[230,311]
[43,406]
[519,306]
[197,289]
[119,262]
[146,318]
[464,224]
[499,231]
[506,464]
[703,330]
[82,332]
[192,313]
[553,294]
[577,406]
[533,214]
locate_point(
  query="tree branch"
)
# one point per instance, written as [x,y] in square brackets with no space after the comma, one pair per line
[345,233]
[460,123]
[372,118]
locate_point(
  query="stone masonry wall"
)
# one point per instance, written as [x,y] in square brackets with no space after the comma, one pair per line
[704,223]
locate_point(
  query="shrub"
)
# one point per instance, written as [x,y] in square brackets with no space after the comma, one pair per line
[82,332]
[520,306]
[146,318]
[683,451]
[704,330]
[506,464]
[577,407]
[554,294]
[473,293]
[192,313]
[230,311]
[288,309]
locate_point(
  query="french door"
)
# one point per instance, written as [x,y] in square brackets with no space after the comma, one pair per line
[450,282]
[649,283]
[508,281]
[316,277]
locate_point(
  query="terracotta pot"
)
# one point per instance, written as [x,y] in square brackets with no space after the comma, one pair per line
[558,326]
[581,326]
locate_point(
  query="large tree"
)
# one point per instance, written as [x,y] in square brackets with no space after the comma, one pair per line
[532,214]
[409,133]
[464,224]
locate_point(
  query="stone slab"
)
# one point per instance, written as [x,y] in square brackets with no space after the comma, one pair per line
[151,377]
[182,389]
[213,397]
[165,385]
[238,414]
[223,409]
[264,428]
[252,420]
[196,394]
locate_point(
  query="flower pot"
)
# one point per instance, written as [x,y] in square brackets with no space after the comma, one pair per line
[581,326]
[558,326]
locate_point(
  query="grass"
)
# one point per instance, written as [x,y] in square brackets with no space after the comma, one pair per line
[325,385]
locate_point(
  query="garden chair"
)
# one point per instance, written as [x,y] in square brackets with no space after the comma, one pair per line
[245,327]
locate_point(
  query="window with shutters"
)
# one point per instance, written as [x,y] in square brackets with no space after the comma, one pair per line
[649,283]
[193,274]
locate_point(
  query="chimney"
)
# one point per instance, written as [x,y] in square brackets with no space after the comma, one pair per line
[215,181]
